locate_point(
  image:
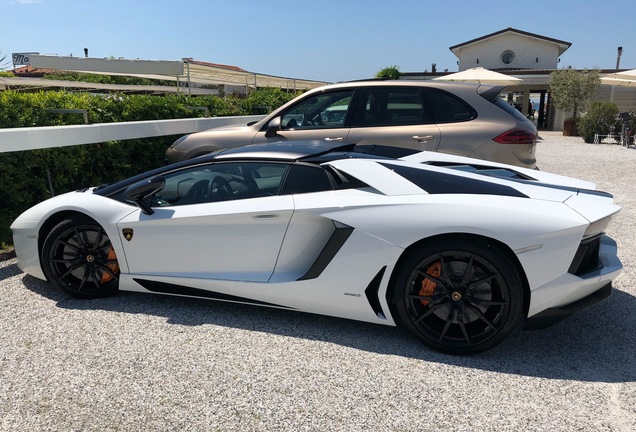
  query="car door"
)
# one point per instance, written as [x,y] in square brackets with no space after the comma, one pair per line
[215,221]
[320,116]
[395,116]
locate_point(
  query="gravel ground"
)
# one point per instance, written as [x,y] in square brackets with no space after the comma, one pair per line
[145,362]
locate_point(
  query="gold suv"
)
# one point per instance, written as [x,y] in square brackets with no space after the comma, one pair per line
[458,118]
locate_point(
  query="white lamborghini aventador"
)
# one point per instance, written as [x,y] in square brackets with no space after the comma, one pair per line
[463,252]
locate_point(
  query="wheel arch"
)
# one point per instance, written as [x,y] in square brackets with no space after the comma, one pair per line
[52,221]
[93,254]
[457,236]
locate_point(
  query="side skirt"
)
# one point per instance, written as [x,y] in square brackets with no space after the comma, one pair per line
[167,288]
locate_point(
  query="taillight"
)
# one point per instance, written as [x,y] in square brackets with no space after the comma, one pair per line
[516,136]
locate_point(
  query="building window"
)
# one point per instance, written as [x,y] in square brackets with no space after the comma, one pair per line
[507,57]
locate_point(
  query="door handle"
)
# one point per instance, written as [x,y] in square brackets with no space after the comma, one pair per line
[335,139]
[266,216]
[423,139]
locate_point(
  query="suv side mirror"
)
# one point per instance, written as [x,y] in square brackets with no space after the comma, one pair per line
[273,127]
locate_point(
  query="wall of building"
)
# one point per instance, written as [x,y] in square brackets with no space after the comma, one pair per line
[530,53]
[623,97]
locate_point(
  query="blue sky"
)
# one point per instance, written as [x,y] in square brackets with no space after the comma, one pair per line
[326,40]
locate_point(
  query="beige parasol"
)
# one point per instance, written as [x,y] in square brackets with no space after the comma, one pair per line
[482,76]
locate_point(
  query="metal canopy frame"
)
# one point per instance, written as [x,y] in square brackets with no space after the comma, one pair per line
[208,73]
[195,73]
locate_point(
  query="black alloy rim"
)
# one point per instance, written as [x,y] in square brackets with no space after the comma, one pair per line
[80,260]
[457,299]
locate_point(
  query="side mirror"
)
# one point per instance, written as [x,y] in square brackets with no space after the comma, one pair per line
[142,192]
[273,127]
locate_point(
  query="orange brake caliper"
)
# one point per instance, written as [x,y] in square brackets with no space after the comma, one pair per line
[428,286]
[113,266]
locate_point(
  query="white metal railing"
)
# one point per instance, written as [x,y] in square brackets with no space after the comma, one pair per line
[32,138]
[622,139]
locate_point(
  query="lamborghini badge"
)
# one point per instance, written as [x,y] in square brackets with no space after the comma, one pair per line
[128,233]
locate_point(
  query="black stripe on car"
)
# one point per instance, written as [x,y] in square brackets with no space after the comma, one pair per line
[168,288]
[372,294]
[435,182]
[337,239]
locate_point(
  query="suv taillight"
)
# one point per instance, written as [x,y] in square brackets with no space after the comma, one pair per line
[516,136]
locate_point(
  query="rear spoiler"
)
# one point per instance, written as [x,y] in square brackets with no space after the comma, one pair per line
[490,92]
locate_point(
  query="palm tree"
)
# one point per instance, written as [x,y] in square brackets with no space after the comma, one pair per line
[4,63]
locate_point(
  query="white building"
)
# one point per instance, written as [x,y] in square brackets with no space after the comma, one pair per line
[510,49]
[530,57]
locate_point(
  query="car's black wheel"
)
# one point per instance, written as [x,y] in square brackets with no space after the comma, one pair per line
[459,296]
[79,258]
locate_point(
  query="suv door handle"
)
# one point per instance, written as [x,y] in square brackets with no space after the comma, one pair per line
[422,139]
[335,139]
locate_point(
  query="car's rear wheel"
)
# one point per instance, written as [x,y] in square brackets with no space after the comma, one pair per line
[78,257]
[460,296]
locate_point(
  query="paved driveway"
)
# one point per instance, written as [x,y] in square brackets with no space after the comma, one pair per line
[146,362]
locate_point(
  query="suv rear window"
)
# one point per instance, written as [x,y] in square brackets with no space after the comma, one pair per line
[510,110]
[448,108]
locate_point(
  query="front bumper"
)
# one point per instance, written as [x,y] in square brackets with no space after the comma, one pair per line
[173,155]
[569,293]
[552,316]
[25,242]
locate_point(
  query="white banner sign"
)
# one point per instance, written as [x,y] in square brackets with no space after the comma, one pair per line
[22,59]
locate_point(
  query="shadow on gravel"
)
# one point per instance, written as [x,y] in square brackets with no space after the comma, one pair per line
[596,345]
[9,271]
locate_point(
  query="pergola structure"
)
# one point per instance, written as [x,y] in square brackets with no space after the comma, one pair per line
[210,73]
[188,74]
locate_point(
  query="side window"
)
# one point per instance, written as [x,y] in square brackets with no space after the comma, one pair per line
[305,179]
[448,108]
[322,111]
[394,106]
[221,181]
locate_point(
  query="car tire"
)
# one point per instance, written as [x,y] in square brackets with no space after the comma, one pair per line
[78,257]
[460,296]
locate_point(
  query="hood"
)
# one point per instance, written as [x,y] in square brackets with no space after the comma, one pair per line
[219,130]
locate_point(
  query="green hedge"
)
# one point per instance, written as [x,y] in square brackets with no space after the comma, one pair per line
[598,119]
[28,177]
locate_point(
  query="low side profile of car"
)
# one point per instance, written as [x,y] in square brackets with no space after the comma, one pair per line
[462,252]
[457,118]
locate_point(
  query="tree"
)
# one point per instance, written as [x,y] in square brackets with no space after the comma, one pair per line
[599,119]
[391,72]
[572,89]
[4,63]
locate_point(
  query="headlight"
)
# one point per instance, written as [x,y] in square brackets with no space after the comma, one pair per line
[178,141]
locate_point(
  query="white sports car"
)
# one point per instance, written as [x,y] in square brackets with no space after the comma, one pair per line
[463,252]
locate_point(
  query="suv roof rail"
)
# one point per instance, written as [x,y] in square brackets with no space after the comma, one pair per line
[366,79]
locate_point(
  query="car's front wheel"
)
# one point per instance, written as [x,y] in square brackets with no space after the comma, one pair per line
[460,296]
[78,257]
